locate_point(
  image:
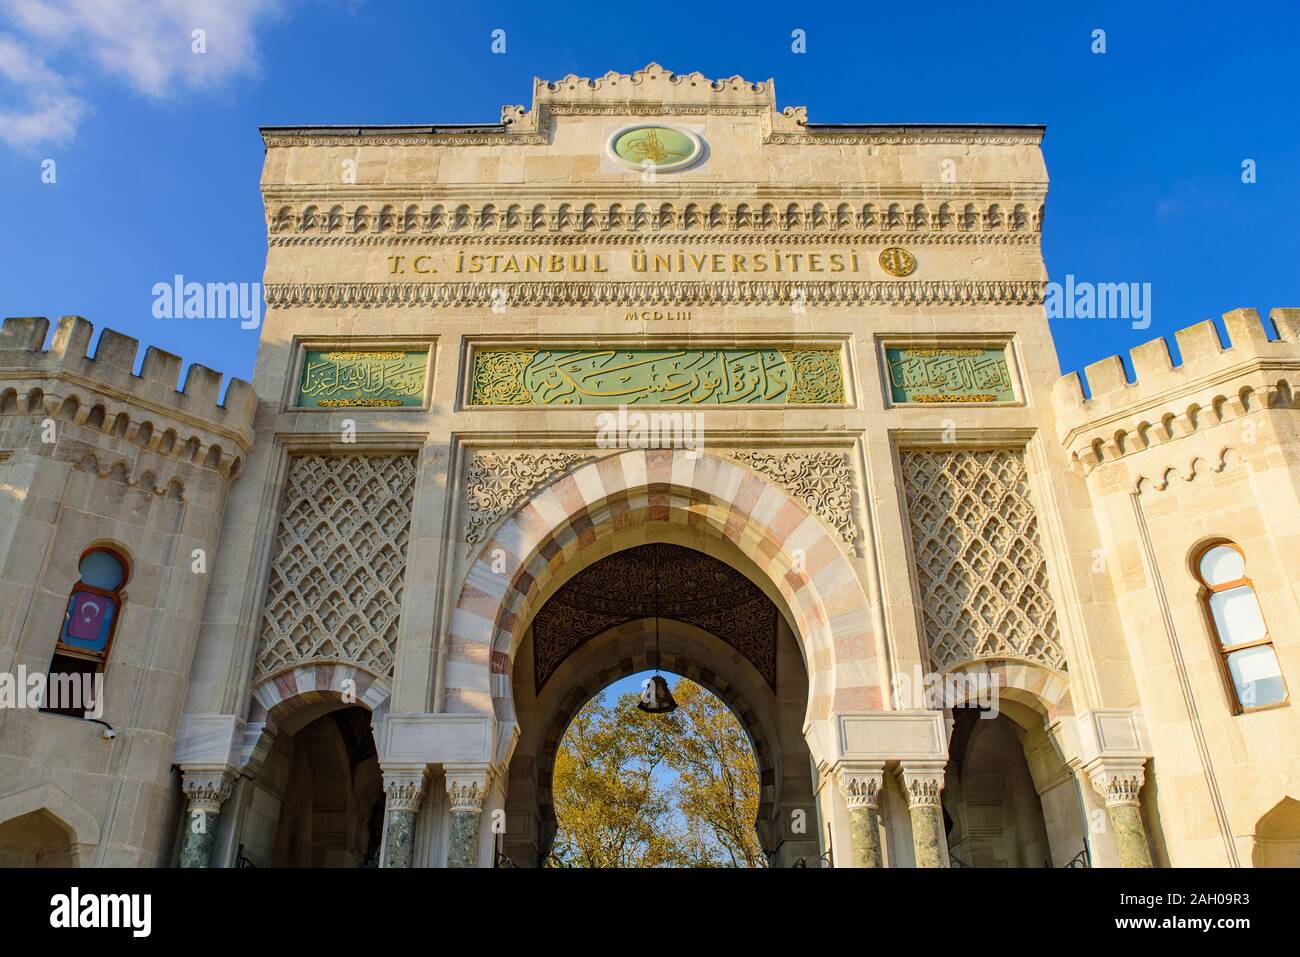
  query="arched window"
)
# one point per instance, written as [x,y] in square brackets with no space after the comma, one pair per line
[1245,648]
[86,637]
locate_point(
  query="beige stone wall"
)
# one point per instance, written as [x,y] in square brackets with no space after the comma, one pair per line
[94,455]
[1178,459]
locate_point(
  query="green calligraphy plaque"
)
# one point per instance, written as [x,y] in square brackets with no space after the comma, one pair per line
[611,377]
[346,379]
[949,374]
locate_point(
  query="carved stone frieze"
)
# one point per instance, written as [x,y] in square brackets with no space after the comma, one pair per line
[496,482]
[822,481]
[666,293]
[915,217]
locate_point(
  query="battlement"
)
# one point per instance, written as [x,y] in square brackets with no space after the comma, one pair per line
[1121,417]
[66,380]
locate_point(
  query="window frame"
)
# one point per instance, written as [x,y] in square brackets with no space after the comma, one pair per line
[116,594]
[1224,650]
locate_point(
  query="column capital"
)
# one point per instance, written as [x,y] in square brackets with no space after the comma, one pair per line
[467,786]
[404,789]
[1117,780]
[922,782]
[861,783]
[207,788]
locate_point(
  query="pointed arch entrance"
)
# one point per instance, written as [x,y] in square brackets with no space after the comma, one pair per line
[697,500]
[711,506]
[716,628]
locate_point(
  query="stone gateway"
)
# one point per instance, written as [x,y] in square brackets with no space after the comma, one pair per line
[968,614]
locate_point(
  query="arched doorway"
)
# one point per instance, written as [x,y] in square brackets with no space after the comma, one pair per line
[1277,836]
[331,812]
[716,627]
[44,826]
[1009,800]
[35,839]
[315,795]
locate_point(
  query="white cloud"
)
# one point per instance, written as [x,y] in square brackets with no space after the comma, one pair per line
[149,45]
[48,112]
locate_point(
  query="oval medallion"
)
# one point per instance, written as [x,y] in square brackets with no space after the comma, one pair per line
[897,261]
[655,146]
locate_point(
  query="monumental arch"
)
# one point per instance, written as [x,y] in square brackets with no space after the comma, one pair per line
[968,613]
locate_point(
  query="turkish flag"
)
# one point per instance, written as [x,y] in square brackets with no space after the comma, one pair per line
[87,618]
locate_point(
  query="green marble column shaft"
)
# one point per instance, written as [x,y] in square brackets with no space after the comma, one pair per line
[199,838]
[923,786]
[403,794]
[205,791]
[466,808]
[1119,782]
[399,839]
[865,826]
[861,791]
[1130,835]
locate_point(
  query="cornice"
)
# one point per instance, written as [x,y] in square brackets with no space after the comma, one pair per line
[666,293]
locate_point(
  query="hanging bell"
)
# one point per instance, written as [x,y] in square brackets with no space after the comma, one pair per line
[655,697]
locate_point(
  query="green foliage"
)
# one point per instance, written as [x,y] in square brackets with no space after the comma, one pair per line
[639,790]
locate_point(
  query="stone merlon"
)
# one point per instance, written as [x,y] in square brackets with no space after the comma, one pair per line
[1166,401]
[66,379]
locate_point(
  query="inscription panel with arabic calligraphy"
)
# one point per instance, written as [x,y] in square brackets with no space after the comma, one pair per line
[933,374]
[356,379]
[607,377]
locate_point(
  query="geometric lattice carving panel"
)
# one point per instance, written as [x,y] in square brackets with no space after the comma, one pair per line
[335,586]
[979,562]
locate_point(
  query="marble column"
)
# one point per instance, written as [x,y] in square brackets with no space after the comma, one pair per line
[403,794]
[205,791]
[923,784]
[467,791]
[860,785]
[1118,783]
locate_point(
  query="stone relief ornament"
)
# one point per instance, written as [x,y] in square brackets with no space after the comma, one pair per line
[666,293]
[662,148]
[822,481]
[979,563]
[339,564]
[466,797]
[897,261]
[496,482]
[949,374]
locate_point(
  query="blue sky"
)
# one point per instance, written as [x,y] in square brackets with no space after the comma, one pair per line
[158,156]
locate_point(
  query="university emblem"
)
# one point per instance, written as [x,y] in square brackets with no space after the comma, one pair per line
[655,146]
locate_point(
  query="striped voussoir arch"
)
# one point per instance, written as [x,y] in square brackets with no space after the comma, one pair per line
[278,696]
[799,554]
[1044,690]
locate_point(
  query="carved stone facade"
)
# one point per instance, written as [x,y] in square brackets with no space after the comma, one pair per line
[336,580]
[798,384]
[979,563]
